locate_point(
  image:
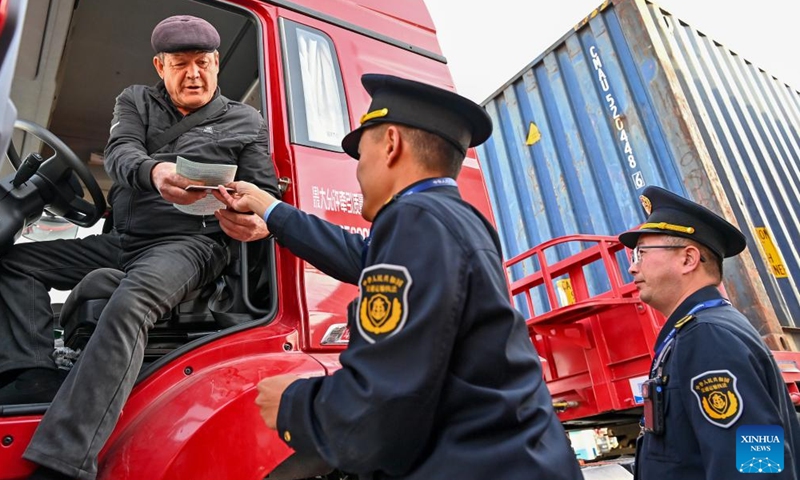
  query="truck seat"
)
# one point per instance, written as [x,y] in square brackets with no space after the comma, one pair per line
[83,306]
[226,302]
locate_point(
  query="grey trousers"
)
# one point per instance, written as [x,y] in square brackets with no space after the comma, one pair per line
[159,273]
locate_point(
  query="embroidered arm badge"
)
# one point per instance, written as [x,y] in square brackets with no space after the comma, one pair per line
[383,301]
[717,397]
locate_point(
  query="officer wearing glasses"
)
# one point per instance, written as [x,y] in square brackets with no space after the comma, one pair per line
[711,374]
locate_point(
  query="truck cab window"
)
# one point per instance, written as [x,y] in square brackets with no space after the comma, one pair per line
[317,108]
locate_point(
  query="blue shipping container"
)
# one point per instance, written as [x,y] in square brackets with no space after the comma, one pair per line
[632,96]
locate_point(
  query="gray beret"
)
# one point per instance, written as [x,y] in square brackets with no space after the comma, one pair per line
[181,33]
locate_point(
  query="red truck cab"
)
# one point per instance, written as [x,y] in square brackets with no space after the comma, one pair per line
[192,413]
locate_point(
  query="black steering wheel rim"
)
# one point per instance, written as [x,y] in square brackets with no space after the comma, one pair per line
[90,213]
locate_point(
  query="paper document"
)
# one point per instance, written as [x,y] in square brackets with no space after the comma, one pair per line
[209,174]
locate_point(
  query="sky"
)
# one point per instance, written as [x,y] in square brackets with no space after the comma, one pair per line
[488,43]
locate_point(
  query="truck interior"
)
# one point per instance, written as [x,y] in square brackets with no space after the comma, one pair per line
[75,57]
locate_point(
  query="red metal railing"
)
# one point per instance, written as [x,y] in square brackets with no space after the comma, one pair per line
[596,349]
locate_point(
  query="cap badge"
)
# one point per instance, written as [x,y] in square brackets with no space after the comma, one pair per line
[374,114]
[648,207]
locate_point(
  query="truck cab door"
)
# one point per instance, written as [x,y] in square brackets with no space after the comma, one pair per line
[325,180]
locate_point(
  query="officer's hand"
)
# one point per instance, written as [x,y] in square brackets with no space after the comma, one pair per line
[246,198]
[171,185]
[269,397]
[244,227]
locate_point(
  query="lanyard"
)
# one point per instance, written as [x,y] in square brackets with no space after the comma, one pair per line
[419,187]
[663,348]
[427,184]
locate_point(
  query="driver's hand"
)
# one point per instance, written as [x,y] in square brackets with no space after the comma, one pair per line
[171,185]
[244,227]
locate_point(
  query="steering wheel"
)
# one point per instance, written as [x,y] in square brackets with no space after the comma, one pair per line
[59,173]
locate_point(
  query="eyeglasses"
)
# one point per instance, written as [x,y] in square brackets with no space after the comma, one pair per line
[636,253]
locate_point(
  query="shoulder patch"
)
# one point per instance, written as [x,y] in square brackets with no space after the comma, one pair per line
[717,397]
[382,301]
[683,321]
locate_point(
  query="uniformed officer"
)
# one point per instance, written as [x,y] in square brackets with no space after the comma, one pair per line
[714,385]
[440,379]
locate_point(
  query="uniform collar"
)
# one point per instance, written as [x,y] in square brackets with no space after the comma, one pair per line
[444,189]
[703,295]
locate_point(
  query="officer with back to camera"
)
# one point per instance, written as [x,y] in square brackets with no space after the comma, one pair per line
[440,379]
[713,381]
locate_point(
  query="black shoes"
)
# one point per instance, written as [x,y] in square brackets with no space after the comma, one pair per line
[44,473]
[34,385]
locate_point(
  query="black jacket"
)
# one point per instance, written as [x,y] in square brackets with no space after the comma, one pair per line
[440,379]
[235,135]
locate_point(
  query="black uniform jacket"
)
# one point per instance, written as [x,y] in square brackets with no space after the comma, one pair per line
[440,379]
[720,377]
[235,135]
